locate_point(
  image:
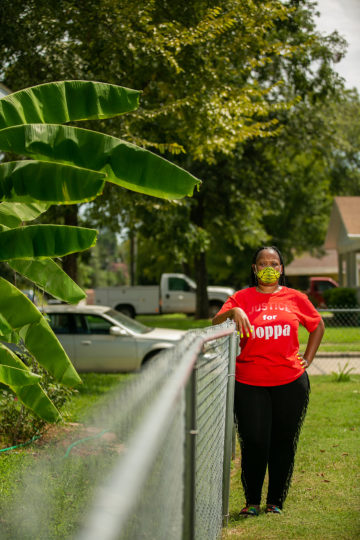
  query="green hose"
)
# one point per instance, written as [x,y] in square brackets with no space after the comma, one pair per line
[83,440]
[67,451]
[22,444]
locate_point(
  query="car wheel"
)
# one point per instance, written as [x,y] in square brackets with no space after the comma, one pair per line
[126,310]
[151,356]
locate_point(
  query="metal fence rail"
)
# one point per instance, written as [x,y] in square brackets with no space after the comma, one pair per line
[172,482]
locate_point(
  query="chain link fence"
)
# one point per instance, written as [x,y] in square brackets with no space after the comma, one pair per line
[340,347]
[173,481]
[155,461]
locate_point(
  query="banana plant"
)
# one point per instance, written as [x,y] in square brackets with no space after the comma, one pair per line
[66,165]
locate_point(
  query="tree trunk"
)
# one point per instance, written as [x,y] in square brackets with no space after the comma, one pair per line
[69,262]
[202,302]
[133,256]
[201,278]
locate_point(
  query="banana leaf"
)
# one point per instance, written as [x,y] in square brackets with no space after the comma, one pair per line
[24,181]
[48,275]
[44,241]
[12,376]
[6,331]
[23,317]
[13,214]
[9,358]
[34,397]
[66,101]
[124,163]
[25,385]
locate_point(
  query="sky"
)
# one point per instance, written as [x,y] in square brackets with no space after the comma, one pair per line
[344,16]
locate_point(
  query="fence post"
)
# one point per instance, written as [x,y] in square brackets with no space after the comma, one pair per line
[190,458]
[229,423]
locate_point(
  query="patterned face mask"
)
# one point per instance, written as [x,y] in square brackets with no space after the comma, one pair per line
[268,275]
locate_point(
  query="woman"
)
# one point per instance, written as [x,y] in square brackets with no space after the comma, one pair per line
[272,386]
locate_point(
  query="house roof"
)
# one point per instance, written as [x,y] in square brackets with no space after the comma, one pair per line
[308,265]
[344,227]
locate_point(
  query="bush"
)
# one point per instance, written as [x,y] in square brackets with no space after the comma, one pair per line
[341,297]
[18,423]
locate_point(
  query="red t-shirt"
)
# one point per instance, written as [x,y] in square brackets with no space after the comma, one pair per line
[269,356]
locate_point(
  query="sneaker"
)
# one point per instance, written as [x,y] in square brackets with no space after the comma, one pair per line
[272,509]
[249,511]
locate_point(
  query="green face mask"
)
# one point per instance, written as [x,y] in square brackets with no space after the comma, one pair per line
[268,275]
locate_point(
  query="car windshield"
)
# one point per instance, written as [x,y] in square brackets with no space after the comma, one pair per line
[130,324]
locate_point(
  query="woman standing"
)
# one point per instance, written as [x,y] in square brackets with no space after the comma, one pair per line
[272,387]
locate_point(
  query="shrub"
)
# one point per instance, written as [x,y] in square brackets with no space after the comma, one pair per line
[341,297]
[19,423]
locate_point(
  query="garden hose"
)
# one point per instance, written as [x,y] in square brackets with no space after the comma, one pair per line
[67,453]
[22,444]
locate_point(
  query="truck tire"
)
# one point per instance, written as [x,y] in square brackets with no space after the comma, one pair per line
[214,308]
[127,310]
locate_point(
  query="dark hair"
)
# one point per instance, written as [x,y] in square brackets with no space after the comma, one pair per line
[253,278]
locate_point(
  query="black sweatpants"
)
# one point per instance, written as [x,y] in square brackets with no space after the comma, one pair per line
[269,420]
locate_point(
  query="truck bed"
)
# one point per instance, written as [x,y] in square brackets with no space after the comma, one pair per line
[144,298]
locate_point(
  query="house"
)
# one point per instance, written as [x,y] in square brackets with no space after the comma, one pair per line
[344,235]
[301,268]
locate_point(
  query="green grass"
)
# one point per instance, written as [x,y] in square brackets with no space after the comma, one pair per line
[61,486]
[177,321]
[323,500]
[94,387]
[336,339]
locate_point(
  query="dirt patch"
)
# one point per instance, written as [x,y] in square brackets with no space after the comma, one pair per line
[76,439]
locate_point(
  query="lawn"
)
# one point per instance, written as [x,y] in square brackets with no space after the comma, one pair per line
[336,339]
[52,473]
[323,501]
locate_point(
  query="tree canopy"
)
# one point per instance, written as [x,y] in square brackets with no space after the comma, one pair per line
[234,89]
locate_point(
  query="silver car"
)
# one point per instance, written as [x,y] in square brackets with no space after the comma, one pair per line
[98,338]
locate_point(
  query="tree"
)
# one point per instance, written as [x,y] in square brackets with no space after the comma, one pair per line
[213,75]
[193,62]
[343,164]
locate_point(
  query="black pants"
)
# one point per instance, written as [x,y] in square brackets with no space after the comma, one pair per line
[269,420]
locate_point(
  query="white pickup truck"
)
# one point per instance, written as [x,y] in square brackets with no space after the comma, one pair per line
[176,294]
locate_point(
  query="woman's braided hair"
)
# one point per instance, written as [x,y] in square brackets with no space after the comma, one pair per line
[253,278]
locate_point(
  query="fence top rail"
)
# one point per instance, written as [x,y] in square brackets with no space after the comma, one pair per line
[337,310]
[112,505]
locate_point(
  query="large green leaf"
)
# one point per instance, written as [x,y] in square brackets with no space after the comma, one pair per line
[125,164]
[47,275]
[9,358]
[44,241]
[12,376]
[15,374]
[13,214]
[23,316]
[6,331]
[34,397]
[66,101]
[25,181]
